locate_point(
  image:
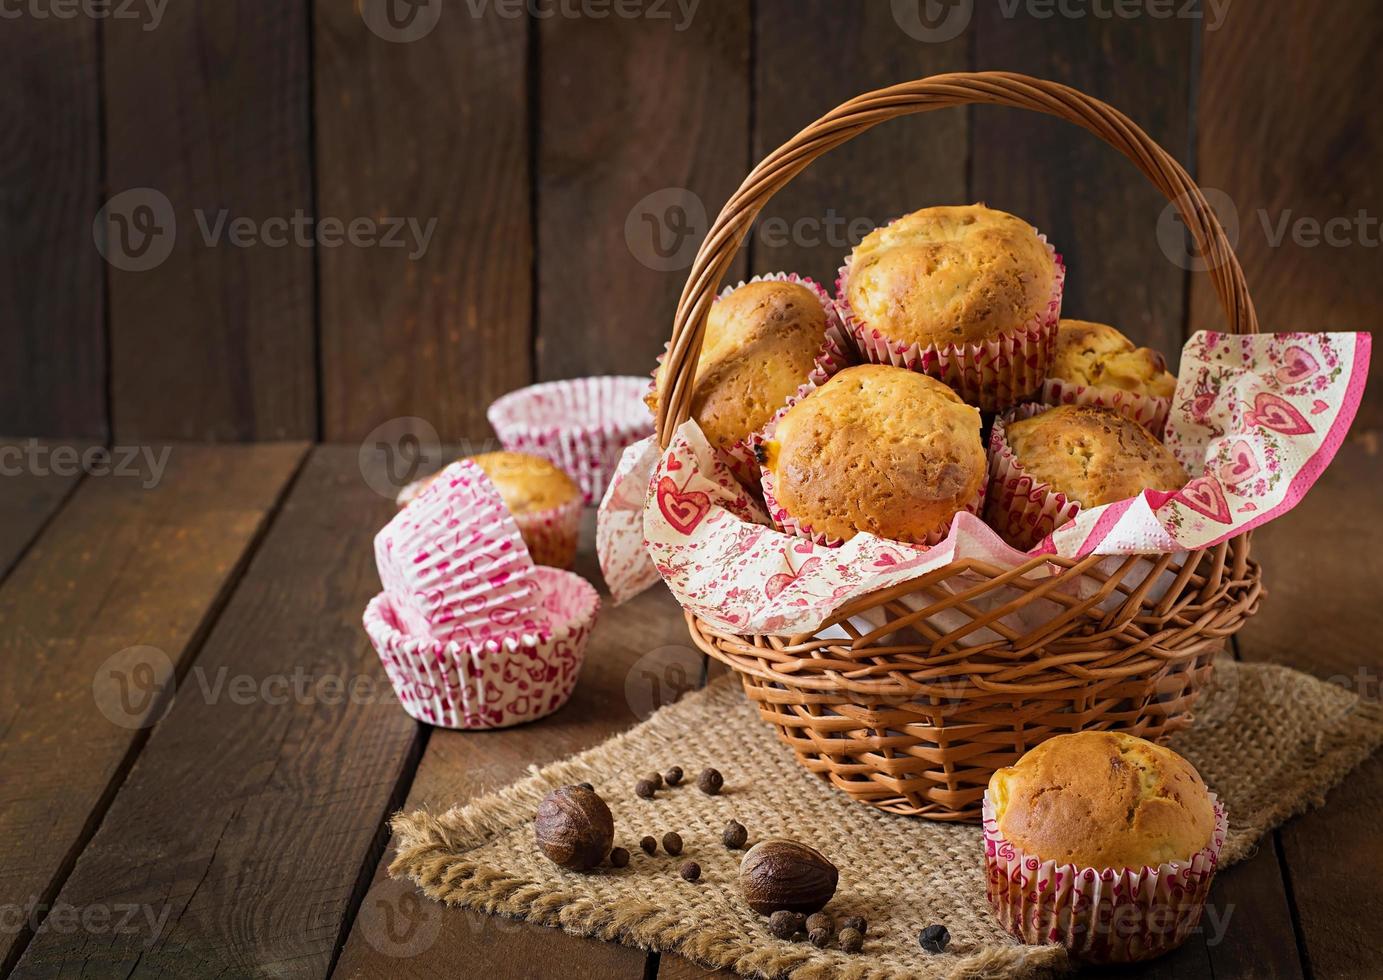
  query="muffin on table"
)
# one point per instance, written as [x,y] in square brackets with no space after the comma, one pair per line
[1049,463]
[544,501]
[1113,808]
[878,449]
[968,294]
[1096,364]
[764,340]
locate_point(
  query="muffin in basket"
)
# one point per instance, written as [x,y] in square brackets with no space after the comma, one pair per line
[544,501]
[1048,463]
[1095,364]
[878,449]
[1103,842]
[969,295]
[764,340]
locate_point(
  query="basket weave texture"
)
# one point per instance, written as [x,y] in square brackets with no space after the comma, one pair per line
[923,690]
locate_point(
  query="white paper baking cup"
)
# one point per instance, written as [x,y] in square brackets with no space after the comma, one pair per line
[497,683]
[1021,508]
[1101,915]
[582,425]
[1150,411]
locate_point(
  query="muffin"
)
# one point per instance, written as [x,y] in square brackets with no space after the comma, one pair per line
[1049,463]
[969,295]
[544,501]
[764,340]
[878,449]
[1095,364]
[1080,811]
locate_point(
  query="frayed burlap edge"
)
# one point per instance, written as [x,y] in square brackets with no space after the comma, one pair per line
[429,845]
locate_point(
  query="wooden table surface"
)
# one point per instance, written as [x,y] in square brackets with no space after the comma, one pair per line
[199,750]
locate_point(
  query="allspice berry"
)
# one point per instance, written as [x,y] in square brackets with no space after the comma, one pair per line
[619,857]
[673,776]
[735,835]
[783,874]
[586,786]
[851,940]
[655,778]
[690,870]
[855,922]
[574,828]
[934,939]
[672,843]
[710,781]
[820,920]
[648,844]
[784,924]
[645,789]
[820,938]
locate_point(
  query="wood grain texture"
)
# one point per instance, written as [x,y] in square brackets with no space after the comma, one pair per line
[1289,129]
[1094,207]
[121,567]
[434,130]
[52,304]
[631,644]
[247,821]
[210,110]
[30,494]
[1321,564]
[645,134]
[802,72]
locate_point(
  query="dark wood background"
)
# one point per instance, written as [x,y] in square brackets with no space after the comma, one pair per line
[531,140]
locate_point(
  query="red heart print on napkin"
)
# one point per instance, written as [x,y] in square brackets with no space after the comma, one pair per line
[1298,364]
[1204,496]
[683,509]
[1276,413]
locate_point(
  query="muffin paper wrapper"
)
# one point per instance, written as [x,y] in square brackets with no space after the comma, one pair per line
[1105,915]
[1021,508]
[503,681]
[992,375]
[582,425]
[1255,420]
[1148,410]
[454,561]
[552,535]
[835,353]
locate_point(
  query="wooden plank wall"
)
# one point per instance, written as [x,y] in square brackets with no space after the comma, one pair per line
[558,169]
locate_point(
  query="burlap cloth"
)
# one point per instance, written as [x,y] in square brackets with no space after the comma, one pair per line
[1270,741]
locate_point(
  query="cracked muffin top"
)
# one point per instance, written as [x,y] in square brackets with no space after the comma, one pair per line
[1093,455]
[950,275]
[878,449]
[1097,354]
[1103,800]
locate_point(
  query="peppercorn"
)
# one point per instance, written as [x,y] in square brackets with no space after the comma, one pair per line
[820,938]
[672,843]
[645,789]
[820,920]
[851,940]
[784,924]
[934,939]
[673,776]
[855,922]
[735,835]
[655,778]
[710,781]
[690,870]
[619,857]
[649,845]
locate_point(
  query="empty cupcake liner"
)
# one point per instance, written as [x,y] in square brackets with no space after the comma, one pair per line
[1023,509]
[582,425]
[500,682]
[455,563]
[991,375]
[1102,915]
[1150,411]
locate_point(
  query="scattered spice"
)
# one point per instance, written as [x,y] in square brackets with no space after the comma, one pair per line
[649,845]
[672,843]
[710,781]
[673,776]
[820,920]
[784,924]
[820,938]
[934,939]
[619,857]
[645,789]
[574,828]
[655,778]
[855,922]
[735,835]
[690,870]
[851,940]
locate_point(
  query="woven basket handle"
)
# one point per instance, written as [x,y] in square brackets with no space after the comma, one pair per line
[940,91]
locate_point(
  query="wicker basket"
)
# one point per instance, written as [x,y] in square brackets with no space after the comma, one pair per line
[921,691]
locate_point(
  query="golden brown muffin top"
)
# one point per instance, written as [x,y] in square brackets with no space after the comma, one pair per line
[761,343]
[1093,455]
[878,449]
[1103,800]
[950,275]
[1097,354]
[527,483]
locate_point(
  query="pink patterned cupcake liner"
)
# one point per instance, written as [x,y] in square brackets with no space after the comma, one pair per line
[582,425]
[455,563]
[1150,411]
[499,682]
[1104,915]
[552,535]
[1023,509]
[991,375]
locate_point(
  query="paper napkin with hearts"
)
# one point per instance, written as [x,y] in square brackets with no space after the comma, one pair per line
[1255,420]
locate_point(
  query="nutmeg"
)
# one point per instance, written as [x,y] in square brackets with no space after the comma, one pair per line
[574,828]
[783,874]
